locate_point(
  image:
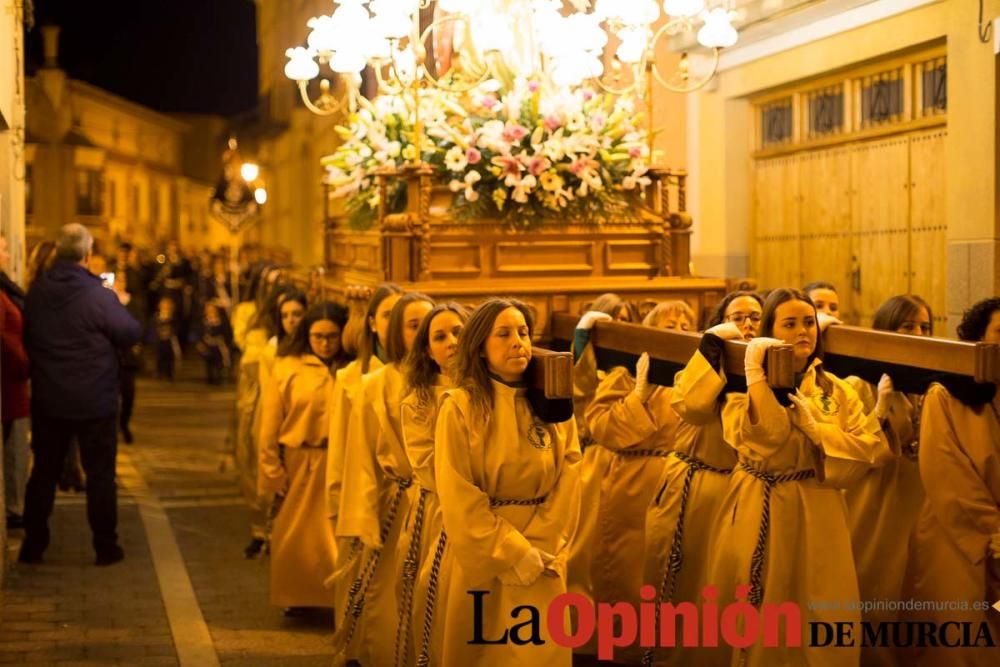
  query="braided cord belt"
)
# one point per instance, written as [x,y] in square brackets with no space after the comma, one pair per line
[639,453]
[359,587]
[504,502]
[404,637]
[425,659]
[757,562]
[675,559]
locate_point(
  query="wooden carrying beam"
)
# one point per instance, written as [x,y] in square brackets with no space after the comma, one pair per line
[619,344]
[551,372]
[913,360]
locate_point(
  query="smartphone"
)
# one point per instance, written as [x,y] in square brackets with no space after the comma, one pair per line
[108,279]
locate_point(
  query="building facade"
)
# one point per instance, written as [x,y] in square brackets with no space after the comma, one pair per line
[292,139]
[125,171]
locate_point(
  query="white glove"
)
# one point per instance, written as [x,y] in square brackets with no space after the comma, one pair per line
[804,416]
[642,387]
[525,571]
[726,331]
[825,321]
[753,361]
[592,317]
[885,389]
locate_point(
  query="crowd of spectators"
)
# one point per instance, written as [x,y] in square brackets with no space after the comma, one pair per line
[86,322]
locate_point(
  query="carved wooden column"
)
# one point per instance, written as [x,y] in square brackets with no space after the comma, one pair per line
[680,226]
[397,228]
[659,195]
[422,225]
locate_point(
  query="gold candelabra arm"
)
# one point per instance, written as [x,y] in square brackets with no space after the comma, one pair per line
[327,104]
[684,73]
[384,84]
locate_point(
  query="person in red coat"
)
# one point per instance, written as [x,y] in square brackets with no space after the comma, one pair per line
[14,403]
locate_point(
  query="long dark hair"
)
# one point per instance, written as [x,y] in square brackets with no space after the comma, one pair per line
[783,295]
[420,369]
[368,338]
[718,315]
[266,316]
[891,314]
[297,344]
[395,348]
[292,294]
[471,368]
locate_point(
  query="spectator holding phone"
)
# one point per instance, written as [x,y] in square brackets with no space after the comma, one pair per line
[73,331]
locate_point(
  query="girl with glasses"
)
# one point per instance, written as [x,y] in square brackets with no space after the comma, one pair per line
[293,452]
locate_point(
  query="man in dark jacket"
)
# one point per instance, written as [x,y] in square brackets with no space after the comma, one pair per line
[74,328]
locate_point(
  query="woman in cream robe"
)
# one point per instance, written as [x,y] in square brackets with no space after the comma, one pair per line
[782,527]
[376,491]
[509,494]
[882,507]
[370,356]
[955,550]
[586,378]
[426,367]
[632,419]
[293,452]
[950,556]
[347,387]
[256,355]
[681,516]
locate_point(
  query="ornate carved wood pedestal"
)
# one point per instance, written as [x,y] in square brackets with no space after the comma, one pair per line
[561,266]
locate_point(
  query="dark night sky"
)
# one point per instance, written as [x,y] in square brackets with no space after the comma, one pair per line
[194,56]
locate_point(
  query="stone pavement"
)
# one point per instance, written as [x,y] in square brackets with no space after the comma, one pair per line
[194,600]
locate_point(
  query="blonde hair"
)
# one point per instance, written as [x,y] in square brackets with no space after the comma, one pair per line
[668,309]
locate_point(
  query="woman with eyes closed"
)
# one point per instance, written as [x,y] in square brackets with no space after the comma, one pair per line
[293,449]
[427,370]
[782,527]
[681,513]
[377,490]
[883,507]
[509,490]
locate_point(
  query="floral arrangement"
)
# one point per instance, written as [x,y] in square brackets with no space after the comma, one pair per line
[522,156]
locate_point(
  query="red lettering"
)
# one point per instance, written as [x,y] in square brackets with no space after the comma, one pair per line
[620,614]
[793,624]
[669,614]
[556,619]
[740,634]
[710,617]
[647,617]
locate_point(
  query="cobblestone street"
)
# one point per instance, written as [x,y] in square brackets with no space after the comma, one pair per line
[184,595]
